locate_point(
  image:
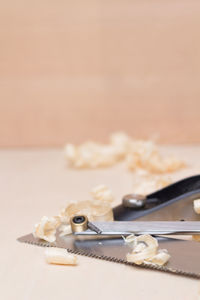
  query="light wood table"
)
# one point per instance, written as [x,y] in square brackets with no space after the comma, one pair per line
[36,183]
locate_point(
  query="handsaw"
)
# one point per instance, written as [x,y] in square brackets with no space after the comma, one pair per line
[157,206]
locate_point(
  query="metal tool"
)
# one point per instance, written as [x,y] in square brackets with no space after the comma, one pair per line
[184,259]
[173,203]
[81,226]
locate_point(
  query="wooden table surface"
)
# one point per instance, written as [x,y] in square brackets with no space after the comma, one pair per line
[36,183]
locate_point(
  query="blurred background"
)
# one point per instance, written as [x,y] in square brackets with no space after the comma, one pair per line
[77,70]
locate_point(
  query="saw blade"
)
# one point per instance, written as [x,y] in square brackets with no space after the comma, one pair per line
[184,254]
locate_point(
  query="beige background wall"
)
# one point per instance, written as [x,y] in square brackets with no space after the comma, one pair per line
[71,70]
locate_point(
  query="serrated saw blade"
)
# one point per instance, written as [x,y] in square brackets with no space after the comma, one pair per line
[184,254]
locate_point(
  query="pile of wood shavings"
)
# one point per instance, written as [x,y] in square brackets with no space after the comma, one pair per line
[142,157]
[138,154]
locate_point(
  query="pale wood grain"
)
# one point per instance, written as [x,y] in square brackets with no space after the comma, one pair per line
[73,70]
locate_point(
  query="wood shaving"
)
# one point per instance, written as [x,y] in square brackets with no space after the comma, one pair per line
[59,256]
[95,211]
[196,204]
[137,154]
[196,237]
[91,155]
[153,162]
[46,229]
[145,250]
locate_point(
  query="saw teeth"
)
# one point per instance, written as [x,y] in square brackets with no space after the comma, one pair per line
[27,240]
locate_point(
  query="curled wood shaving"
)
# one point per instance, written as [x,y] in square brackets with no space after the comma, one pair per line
[46,229]
[95,211]
[145,250]
[91,155]
[196,204]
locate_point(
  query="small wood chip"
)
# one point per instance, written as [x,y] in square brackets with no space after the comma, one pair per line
[59,256]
